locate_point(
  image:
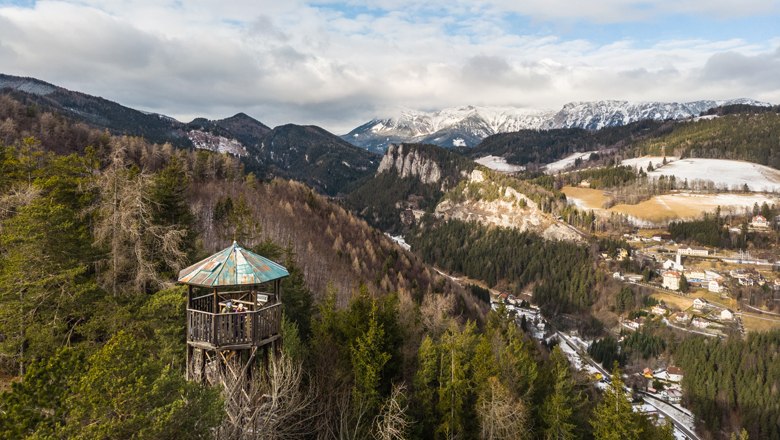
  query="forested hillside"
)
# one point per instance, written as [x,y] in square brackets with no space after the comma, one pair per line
[734,383]
[544,146]
[750,136]
[411,176]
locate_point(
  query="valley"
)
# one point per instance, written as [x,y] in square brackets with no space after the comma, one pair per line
[507,262]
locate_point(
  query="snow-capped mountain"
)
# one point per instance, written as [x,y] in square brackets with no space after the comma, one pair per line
[467,126]
[451,127]
[599,114]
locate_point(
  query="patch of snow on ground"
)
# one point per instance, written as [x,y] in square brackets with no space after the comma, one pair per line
[658,161]
[399,240]
[459,142]
[732,174]
[499,164]
[566,162]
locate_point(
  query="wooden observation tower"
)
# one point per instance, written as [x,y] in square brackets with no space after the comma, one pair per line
[234,309]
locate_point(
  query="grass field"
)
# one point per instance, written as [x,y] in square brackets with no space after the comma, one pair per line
[590,198]
[755,323]
[674,301]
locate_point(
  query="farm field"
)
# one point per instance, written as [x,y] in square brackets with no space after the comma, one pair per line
[499,164]
[667,207]
[757,323]
[675,301]
[585,198]
[566,162]
[732,174]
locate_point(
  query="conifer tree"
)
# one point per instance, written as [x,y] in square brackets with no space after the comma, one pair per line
[368,360]
[558,408]
[613,418]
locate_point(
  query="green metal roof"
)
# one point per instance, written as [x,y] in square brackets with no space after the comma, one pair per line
[234,266]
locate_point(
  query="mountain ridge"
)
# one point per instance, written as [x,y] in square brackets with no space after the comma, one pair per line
[468,125]
[338,163]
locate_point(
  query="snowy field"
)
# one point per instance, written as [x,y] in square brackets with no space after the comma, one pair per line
[566,162]
[732,174]
[499,164]
[645,160]
[663,208]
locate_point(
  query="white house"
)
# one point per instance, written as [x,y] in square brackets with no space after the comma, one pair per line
[759,221]
[671,280]
[695,276]
[659,310]
[673,396]
[674,265]
[693,251]
[672,374]
[700,304]
[726,315]
[714,286]
[701,323]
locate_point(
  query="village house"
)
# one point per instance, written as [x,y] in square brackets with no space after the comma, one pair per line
[693,251]
[674,374]
[695,277]
[671,374]
[618,276]
[712,275]
[633,277]
[671,280]
[672,395]
[659,310]
[675,264]
[714,286]
[700,304]
[682,317]
[700,323]
[726,315]
[634,324]
[759,221]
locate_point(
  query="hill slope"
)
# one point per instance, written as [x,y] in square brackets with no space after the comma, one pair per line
[309,154]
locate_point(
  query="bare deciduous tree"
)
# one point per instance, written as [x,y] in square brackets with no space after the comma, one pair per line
[277,405]
[125,227]
[393,423]
[501,415]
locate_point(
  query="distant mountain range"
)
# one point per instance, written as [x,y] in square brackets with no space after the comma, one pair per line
[306,153]
[468,126]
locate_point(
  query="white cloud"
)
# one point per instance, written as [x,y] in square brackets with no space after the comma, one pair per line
[293,62]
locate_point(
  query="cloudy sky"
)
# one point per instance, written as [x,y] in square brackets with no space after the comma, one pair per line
[339,63]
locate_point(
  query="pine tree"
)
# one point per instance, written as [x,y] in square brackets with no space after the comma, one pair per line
[558,407]
[684,287]
[613,418]
[368,360]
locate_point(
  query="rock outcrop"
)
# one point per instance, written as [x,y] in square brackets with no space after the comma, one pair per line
[410,164]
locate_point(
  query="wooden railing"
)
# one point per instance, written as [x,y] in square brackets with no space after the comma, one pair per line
[269,322]
[234,328]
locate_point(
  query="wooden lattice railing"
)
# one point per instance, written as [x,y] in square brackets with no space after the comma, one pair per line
[234,328]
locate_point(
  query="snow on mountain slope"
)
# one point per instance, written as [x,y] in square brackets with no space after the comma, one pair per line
[468,125]
[208,141]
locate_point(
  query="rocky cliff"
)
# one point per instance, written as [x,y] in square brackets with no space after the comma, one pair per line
[410,163]
[490,203]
